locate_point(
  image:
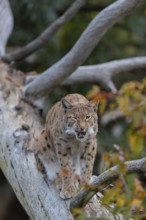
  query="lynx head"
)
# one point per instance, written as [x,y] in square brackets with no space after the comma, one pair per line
[80,120]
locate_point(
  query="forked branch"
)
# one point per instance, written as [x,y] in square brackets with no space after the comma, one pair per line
[102,73]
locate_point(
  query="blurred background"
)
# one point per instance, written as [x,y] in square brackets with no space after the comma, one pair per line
[121,137]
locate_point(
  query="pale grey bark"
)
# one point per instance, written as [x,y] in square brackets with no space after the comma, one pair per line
[82,48]
[111,116]
[6,25]
[46,34]
[102,73]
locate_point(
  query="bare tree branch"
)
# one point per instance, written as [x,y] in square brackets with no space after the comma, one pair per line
[83,197]
[102,73]
[111,116]
[6,25]
[43,37]
[83,47]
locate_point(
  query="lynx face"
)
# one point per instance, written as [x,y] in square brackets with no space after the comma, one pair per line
[80,121]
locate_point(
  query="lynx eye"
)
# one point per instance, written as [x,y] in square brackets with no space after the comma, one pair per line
[88,117]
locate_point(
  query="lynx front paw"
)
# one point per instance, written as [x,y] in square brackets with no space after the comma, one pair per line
[67,193]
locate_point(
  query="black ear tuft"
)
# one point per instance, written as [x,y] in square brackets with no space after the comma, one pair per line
[66,104]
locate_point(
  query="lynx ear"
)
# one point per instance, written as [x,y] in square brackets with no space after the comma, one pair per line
[66,104]
[93,105]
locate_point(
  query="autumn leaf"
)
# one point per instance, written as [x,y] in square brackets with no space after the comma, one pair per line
[120,201]
[137,203]
[136,143]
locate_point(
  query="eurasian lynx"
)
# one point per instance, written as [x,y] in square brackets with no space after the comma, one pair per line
[67,145]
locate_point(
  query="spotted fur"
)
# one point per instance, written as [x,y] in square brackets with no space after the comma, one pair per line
[67,145]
